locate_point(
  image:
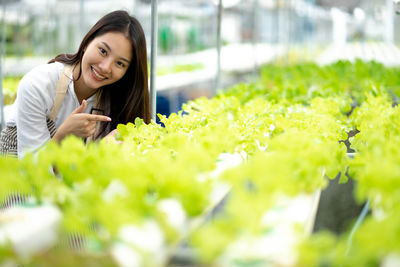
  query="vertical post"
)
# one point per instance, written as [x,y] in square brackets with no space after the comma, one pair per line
[275,32]
[153,61]
[281,30]
[134,7]
[219,44]
[255,35]
[339,26]
[389,22]
[2,53]
[289,33]
[311,42]
[82,18]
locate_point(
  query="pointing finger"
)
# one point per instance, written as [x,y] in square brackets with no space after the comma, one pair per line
[92,117]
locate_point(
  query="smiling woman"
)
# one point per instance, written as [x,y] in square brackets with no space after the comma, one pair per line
[105,61]
[108,73]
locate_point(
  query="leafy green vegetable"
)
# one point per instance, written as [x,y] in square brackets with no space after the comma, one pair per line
[282,133]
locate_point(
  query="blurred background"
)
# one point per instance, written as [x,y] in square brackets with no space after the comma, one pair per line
[189,63]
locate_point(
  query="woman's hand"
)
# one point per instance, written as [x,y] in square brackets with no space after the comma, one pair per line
[110,138]
[79,124]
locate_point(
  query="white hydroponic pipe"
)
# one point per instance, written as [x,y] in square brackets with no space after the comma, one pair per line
[153,63]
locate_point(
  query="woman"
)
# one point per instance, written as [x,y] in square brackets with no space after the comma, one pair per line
[107,75]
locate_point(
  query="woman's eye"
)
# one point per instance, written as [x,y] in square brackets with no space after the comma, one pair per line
[121,64]
[102,51]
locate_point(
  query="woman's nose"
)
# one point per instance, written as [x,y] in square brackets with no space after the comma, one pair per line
[105,65]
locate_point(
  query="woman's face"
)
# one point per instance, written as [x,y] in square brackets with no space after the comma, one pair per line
[105,60]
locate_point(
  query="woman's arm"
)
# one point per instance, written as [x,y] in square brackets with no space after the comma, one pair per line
[32,106]
[79,124]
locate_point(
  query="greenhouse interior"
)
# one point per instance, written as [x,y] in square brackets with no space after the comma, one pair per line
[266,133]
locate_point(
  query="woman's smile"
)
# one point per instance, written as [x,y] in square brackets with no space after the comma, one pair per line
[96,75]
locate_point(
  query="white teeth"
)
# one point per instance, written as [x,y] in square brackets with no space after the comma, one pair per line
[97,74]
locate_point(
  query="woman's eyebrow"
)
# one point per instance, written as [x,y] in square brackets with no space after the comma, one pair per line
[109,48]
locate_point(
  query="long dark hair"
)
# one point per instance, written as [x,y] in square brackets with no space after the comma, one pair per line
[128,98]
